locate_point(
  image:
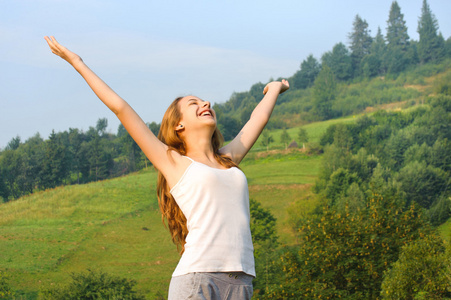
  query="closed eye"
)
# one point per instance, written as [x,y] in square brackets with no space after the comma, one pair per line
[192,101]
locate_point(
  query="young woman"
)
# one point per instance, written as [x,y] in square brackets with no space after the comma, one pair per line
[202,194]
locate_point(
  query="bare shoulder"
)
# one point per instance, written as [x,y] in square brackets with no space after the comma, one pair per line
[175,167]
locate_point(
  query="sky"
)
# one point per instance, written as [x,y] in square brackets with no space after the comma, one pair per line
[151,52]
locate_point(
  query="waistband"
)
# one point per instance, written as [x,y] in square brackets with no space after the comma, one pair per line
[239,278]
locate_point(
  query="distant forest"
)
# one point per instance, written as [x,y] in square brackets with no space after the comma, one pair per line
[370,71]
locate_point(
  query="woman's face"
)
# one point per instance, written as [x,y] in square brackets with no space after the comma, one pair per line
[195,113]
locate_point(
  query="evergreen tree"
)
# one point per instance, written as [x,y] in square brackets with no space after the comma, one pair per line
[306,76]
[372,64]
[397,58]
[431,46]
[13,144]
[339,61]
[324,93]
[55,167]
[360,42]
[75,150]
[396,28]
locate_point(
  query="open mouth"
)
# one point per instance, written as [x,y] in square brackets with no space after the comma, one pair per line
[206,113]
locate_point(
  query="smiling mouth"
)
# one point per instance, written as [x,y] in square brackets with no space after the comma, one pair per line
[206,113]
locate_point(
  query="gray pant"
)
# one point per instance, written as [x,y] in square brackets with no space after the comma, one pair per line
[211,286]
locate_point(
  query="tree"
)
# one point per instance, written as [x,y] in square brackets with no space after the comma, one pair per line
[431,47]
[339,61]
[266,139]
[396,28]
[265,239]
[101,125]
[285,138]
[360,43]
[396,58]
[229,127]
[306,76]
[372,63]
[421,272]
[13,144]
[154,127]
[75,149]
[324,93]
[55,167]
[421,183]
[302,136]
[344,255]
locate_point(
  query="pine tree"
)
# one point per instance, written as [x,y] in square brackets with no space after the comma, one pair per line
[396,28]
[397,57]
[324,93]
[339,61]
[306,76]
[360,42]
[431,46]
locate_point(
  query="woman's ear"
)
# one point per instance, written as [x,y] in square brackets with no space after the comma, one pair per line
[179,127]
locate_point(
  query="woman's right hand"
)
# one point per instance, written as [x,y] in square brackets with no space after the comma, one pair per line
[62,51]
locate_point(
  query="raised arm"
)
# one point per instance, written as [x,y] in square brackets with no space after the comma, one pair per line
[249,134]
[152,147]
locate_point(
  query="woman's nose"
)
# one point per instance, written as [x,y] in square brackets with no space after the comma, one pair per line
[206,104]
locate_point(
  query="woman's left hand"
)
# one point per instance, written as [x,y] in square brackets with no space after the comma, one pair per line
[282,85]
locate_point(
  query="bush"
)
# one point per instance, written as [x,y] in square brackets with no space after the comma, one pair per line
[5,289]
[422,272]
[93,285]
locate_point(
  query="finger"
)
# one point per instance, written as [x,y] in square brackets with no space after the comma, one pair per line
[265,90]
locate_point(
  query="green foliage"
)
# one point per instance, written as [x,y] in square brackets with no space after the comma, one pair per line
[343,255]
[360,43]
[265,239]
[5,289]
[266,139]
[306,76]
[339,61]
[409,153]
[422,183]
[422,271]
[324,92]
[396,28]
[285,138]
[431,47]
[93,285]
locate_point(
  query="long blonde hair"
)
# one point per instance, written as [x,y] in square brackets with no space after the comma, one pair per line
[171,213]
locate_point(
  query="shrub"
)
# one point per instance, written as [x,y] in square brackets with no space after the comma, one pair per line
[5,289]
[93,285]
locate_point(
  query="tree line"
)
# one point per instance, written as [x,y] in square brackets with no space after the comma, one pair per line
[69,157]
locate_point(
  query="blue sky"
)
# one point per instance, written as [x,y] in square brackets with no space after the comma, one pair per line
[151,52]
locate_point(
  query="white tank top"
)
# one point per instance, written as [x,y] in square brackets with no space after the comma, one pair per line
[215,203]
